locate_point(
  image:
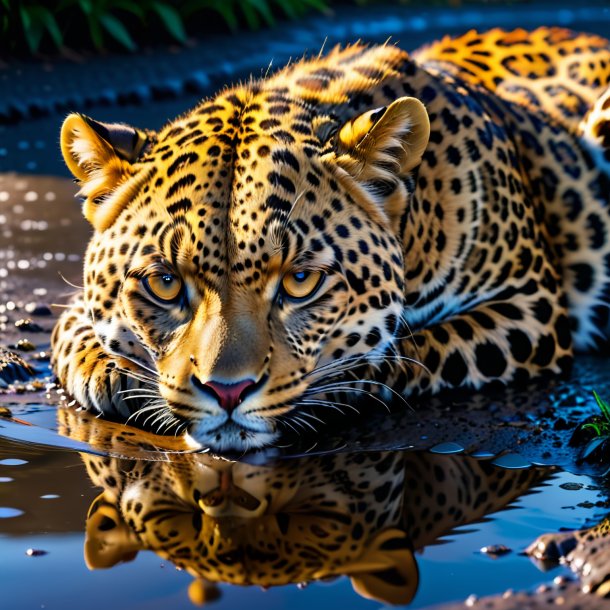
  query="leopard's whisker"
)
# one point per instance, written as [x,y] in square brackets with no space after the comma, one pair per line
[304,422]
[346,388]
[327,403]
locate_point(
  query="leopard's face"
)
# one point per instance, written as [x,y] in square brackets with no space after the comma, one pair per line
[240,267]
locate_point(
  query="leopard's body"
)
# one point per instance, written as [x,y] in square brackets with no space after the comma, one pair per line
[441,227]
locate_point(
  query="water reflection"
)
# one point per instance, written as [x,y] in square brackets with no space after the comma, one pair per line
[362,515]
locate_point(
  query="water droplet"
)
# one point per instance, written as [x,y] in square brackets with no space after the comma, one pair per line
[446,448]
[49,497]
[5,479]
[31,196]
[12,462]
[8,513]
[4,196]
[511,461]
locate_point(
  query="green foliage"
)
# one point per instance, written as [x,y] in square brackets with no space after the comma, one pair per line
[57,23]
[601,424]
[597,446]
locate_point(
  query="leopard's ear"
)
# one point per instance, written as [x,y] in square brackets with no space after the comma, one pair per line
[380,147]
[387,570]
[109,540]
[101,157]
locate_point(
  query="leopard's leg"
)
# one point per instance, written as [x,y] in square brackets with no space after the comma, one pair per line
[98,381]
[587,552]
[508,340]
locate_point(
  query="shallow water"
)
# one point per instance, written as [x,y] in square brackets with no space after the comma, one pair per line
[52,491]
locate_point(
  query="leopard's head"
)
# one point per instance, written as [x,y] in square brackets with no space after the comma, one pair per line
[247,255]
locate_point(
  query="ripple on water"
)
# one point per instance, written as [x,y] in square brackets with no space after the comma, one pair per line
[7,513]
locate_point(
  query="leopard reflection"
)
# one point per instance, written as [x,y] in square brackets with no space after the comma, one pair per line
[300,520]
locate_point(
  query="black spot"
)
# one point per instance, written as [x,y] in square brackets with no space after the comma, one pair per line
[267,124]
[278,180]
[285,156]
[181,205]
[454,370]
[542,310]
[176,186]
[545,351]
[490,359]
[182,161]
[520,345]
[463,329]
[432,360]
[564,336]
[450,121]
[440,334]
[373,337]
[507,310]
[453,155]
[583,276]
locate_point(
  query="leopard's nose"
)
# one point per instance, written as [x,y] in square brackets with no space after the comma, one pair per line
[228,395]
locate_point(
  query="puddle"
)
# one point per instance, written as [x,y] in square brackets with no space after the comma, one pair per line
[173,529]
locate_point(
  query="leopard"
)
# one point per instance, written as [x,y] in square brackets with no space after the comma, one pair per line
[361,228]
[362,516]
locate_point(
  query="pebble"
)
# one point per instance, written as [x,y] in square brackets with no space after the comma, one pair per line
[38,309]
[25,345]
[27,325]
[495,550]
[571,486]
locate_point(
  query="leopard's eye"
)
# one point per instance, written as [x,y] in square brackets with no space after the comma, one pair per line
[299,285]
[165,287]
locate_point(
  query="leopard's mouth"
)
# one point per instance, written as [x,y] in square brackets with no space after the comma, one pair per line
[231,436]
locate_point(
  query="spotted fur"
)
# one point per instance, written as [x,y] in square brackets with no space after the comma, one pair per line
[459,227]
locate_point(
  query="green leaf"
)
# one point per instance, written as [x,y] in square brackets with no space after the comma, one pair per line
[171,19]
[86,6]
[603,406]
[251,17]
[96,32]
[593,427]
[46,18]
[263,8]
[25,18]
[33,27]
[118,31]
